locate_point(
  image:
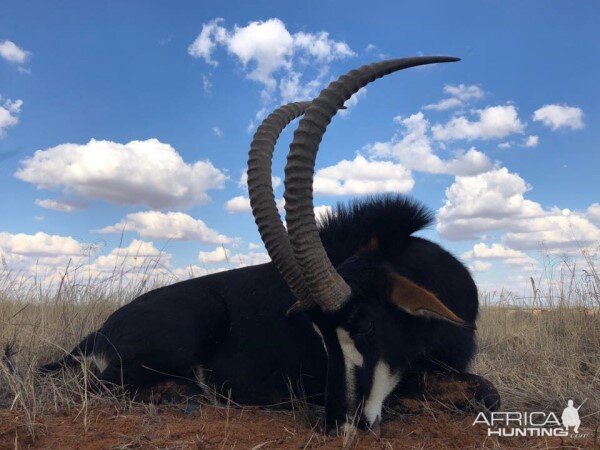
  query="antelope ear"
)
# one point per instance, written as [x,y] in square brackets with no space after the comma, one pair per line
[418,301]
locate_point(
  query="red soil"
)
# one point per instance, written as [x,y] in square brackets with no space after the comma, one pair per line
[149,427]
[435,421]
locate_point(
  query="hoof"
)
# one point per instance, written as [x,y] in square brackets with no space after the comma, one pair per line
[463,391]
[486,393]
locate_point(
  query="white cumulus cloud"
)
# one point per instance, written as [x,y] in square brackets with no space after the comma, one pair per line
[39,244]
[49,257]
[480,266]
[496,251]
[239,204]
[12,53]
[265,47]
[171,225]
[321,47]
[39,254]
[560,116]
[531,141]
[558,230]
[361,176]
[140,172]
[222,255]
[458,96]
[60,205]
[289,67]
[292,89]
[137,255]
[9,114]
[206,42]
[489,201]
[495,202]
[492,122]
[414,149]
[593,213]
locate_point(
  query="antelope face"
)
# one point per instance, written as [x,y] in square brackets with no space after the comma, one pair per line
[372,337]
[360,375]
[369,377]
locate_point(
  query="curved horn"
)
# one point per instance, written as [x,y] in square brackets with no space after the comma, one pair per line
[327,287]
[262,199]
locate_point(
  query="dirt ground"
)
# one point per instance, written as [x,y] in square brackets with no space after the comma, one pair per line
[430,414]
[151,427]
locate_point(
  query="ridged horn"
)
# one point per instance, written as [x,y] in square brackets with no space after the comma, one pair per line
[262,199]
[327,287]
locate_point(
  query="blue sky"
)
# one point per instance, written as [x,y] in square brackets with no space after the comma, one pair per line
[503,145]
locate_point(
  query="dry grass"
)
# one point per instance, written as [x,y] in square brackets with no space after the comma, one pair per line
[41,320]
[542,350]
[538,351]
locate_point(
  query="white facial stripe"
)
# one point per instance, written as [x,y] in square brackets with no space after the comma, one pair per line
[384,382]
[348,347]
[352,359]
[316,328]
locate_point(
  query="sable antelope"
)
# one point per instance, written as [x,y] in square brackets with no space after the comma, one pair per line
[344,311]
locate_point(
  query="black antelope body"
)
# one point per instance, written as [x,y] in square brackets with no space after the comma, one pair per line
[344,311]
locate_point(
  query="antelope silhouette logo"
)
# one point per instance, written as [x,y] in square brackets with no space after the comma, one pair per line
[570,416]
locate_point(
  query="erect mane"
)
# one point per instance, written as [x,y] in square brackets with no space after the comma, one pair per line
[389,218]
